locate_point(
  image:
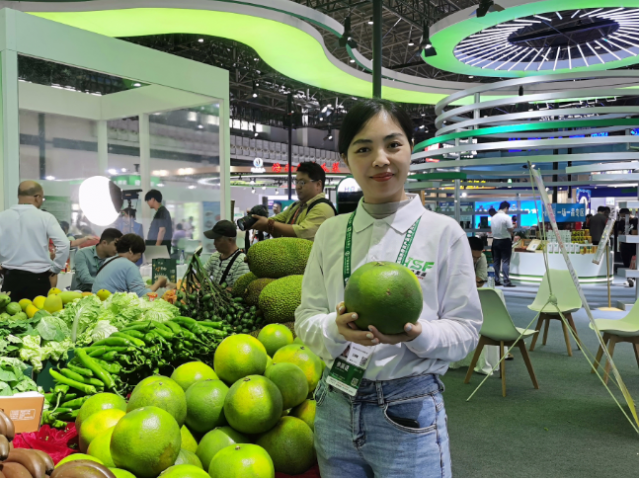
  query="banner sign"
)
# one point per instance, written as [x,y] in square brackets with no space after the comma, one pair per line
[164,267]
[567,212]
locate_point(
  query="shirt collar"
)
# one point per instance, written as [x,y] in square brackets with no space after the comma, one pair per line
[400,221]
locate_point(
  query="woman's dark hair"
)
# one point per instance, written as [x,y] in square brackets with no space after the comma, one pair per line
[132,242]
[363,111]
[476,243]
[504,205]
[314,171]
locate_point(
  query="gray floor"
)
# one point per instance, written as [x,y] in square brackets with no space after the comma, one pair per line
[570,427]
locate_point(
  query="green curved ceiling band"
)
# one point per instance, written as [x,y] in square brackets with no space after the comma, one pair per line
[528,127]
[285,48]
[446,39]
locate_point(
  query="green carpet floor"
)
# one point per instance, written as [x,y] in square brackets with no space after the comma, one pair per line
[570,427]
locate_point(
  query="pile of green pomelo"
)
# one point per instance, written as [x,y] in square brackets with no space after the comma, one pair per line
[250,416]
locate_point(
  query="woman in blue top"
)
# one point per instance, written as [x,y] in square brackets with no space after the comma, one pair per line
[120,274]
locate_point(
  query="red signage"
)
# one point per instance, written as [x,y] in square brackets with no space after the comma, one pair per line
[276,168]
[335,168]
[324,167]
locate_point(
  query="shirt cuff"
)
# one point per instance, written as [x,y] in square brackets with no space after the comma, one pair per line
[333,341]
[425,342]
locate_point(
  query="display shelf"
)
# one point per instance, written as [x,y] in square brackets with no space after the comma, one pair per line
[629,204]
[628,238]
[627,273]
[481,230]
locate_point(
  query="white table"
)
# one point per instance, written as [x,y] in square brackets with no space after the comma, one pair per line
[65,280]
[489,360]
[529,268]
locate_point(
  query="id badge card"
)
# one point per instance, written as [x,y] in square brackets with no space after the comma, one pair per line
[348,369]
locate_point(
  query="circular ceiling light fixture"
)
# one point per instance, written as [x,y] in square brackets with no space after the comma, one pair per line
[538,38]
[100,200]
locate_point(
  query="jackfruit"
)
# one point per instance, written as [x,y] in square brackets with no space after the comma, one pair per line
[279,257]
[242,283]
[252,293]
[279,300]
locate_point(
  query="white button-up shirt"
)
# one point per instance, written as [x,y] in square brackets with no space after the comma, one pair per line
[24,240]
[441,259]
[500,222]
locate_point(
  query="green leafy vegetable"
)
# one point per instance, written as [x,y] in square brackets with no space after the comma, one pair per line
[13,379]
[102,330]
[53,328]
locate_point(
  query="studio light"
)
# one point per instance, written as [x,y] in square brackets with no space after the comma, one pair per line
[100,200]
[411,43]
[254,93]
[487,6]
[370,22]
[346,38]
[427,47]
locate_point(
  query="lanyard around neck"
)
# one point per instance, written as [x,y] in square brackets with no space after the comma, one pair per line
[348,243]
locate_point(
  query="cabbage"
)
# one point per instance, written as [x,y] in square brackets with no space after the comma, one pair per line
[159,310]
[102,330]
[121,309]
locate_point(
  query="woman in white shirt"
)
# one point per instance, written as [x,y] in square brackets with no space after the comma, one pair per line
[395,425]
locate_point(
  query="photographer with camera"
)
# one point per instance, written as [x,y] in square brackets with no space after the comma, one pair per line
[303,218]
[228,263]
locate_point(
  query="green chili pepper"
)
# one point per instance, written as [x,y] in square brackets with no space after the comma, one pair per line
[88,389]
[76,403]
[70,396]
[167,335]
[132,341]
[85,372]
[114,342]
[133,333]
[61,389]
[72,375]
[184,321]
[113,368]
[109,356]
[95,382]
[175,328]
[95,367]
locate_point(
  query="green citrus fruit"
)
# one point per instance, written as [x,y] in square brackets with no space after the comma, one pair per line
[119,473]
[291,381]
[304,358]
[163,393]
[146,441]
[96,424]
[185,457]
[253,405]
[205,402]
[216,440]
[189,373]
[78,456]
[306,412]
[290,446]
[189,442]
[100,447]
[242,461]
[238,356]
[298,340]
[184,471]
[378,290]
[274,337]
[101,401]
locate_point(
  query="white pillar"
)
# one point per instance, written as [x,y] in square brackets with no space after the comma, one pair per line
[10,122]
[145,169]
[103,148]
[225,161]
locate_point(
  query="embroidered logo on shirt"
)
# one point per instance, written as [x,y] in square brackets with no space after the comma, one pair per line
[418,267]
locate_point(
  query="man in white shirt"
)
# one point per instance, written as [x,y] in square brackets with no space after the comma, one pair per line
[25,231]
[502,231]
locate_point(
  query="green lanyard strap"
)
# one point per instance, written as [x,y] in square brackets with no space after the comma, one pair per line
[348,243]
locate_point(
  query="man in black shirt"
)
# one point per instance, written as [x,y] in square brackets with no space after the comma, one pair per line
[161,229]
[597,224]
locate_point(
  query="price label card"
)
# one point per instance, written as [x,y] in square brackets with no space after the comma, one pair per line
[348,369]
[164,267]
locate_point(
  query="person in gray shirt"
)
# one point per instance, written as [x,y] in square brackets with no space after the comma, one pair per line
[479,261]
[89,260]
[597,224]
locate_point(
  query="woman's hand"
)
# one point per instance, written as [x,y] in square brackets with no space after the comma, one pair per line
[349,331]
[412,331]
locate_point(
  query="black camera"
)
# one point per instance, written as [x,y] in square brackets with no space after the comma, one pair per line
[245,223]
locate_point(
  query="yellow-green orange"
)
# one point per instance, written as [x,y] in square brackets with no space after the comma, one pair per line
[377,291]
[185,457]
[100,447]
[146,441]
[242,461]
[290,446]
[304,358]
[205,402]
[189,373]
[120,473]
[238,356]
[274,337]
[216,440]
[188,440]
[101,401]
[78,456]
[279,300]
[184,471]
[148,380]
[253,405]
[163,393]
[306,412]
[291,381]
[96,424]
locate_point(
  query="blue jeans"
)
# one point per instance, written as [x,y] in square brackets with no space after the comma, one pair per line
[358,436]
